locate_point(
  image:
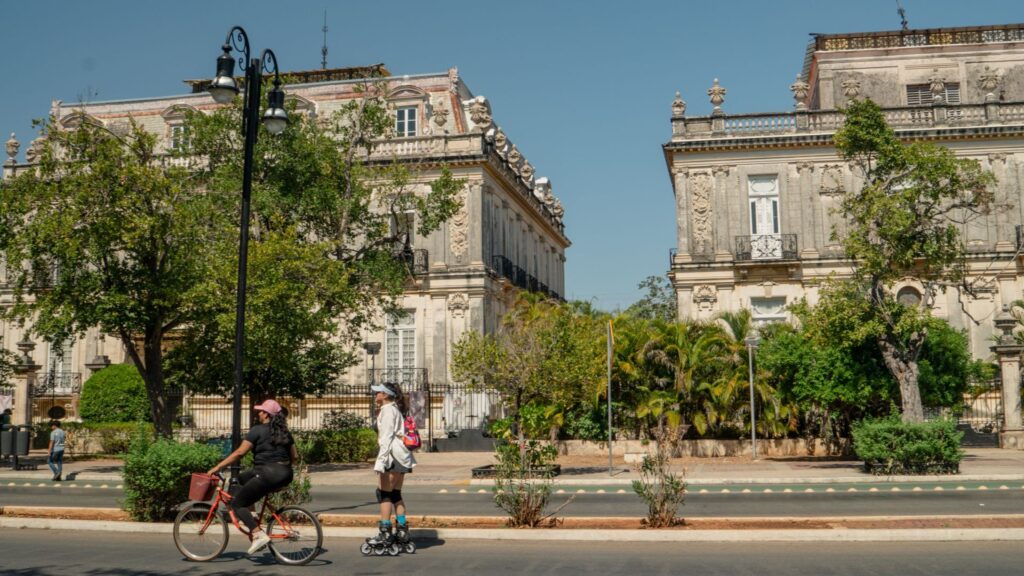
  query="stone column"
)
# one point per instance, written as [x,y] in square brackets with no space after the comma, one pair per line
[24,379]
[1009,353]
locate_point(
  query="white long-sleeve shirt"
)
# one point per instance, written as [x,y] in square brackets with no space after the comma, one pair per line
[390,434]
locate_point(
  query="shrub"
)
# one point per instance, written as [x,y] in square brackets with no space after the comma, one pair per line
[522,483]
[890,446]
[111,438]
[352,445]
[157,474]
[662,490]
[339,420]
[114,394]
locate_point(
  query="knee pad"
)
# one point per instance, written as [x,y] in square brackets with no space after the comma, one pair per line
[383,495]
[395,496]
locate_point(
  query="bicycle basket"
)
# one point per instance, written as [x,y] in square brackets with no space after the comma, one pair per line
[202,486]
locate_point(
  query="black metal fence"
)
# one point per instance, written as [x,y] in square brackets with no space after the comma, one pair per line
[440,410]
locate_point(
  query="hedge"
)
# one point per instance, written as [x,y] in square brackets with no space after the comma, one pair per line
[157,475]
[114,394]
[353,445]
[890,446]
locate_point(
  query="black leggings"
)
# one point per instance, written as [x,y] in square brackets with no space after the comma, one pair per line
[255,484]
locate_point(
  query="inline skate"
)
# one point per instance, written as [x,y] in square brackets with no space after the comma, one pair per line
[402,539]
[381,544]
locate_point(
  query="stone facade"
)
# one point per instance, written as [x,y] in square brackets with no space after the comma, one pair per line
[509,234]
[755,193]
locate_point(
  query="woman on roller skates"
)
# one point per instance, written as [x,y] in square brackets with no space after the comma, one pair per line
[394,461]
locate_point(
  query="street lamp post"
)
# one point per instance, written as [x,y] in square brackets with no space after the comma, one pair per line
[275,119]
[372,348]
[752,341]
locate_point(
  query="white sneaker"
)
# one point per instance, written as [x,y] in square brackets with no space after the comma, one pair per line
[259,543]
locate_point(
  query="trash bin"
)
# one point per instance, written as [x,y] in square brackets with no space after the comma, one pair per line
[14,442]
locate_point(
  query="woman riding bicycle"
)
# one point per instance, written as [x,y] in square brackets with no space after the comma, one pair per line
[273,450]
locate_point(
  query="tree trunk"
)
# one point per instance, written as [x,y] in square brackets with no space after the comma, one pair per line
[150,366]
[906,372]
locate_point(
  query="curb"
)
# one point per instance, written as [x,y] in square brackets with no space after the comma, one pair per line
[111,520]
[796,535]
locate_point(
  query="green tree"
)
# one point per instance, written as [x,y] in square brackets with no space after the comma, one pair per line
[329,251]
[114,394]
[658,302]
[7,362]
[544,352]
[109,234]
[905,221]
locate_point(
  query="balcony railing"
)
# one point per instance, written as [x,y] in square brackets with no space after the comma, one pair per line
[502,267]
[58,384]
[418,260]
[766,247]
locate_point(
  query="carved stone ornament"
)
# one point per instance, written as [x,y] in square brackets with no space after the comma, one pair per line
[717,95]
[459,226]
[35,149]
[705,297]
[800,89]
[802,167]
[440,114]
[12,146]
[558,210]
[721,170]
[700,191]
[526,172]
[500,140]
[832,179]
[458,303]
[996,157]
[937,84]
[514,156]
[988,81]
[851,88]
[678,105]
[480,113]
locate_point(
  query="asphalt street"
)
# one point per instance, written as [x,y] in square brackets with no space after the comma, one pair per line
[753,501]
[67,553]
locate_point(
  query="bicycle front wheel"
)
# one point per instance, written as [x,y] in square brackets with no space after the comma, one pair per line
[295,535]
[194,542]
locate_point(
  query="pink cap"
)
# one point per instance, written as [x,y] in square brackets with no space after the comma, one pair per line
[269,406]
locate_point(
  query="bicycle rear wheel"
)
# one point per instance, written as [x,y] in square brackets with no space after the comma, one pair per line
[296,538]
[194,545]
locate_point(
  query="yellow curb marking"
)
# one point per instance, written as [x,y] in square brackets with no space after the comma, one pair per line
[443,490]
[745,491]
[872,489]
[119,486]
[11,484]
[787,491]
[767,490]
[895,489]
[88,485]
[938,488]
[104,486]
[462,491]
[41,484]
[703,491]
[830,489]
[621,491]
[581,491]
[559,491]
[600,491]
[1004,487]
[961,488]
[982,487]
[27,484]
[809,491]
[917,488]
[725,491]
[852,490]
[481,491]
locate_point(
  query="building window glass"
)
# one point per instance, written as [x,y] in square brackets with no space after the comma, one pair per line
[405,121]
[400,342]
[921,94]
[763,192]
[179,137]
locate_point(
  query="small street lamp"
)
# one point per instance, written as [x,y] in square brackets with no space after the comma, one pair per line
[752,342]
[275,119]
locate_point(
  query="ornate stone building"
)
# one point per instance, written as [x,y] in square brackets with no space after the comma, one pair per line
[508,236]
[755,193]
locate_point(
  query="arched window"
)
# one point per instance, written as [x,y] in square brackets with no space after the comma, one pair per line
[908,296]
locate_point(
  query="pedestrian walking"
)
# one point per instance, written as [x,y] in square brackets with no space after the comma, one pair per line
[393,462]
[55,453]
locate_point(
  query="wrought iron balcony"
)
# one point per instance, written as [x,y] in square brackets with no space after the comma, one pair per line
[58,384]
[408,378]
[520,277]
[503,267]
[417,260]
[766,247]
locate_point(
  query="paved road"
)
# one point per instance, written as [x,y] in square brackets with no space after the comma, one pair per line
[65,553]
[971,500]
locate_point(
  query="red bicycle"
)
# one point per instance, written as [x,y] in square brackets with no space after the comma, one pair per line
[201,529]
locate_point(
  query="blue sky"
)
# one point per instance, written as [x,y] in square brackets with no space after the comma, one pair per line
[582,87]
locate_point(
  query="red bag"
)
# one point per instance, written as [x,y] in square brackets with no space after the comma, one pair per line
[412,437]
[202,486]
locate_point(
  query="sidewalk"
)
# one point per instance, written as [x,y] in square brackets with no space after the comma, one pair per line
[455,468]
